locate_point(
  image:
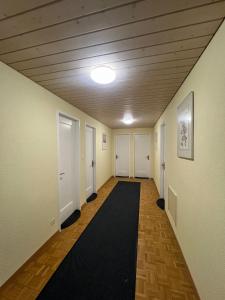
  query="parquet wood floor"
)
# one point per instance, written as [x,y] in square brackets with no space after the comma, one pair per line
[161,270]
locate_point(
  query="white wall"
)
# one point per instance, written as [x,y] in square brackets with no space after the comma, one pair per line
[200,184]
[133,131]
[28,166]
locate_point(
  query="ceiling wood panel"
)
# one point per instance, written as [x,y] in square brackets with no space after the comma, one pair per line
[113,58]
[152,46]
[144,97]
[159,102]
[49,83]
[164,22]
[67,86]
[144,88]
[162,82]
[120,49]
[56,12]
[137,63]
[12,8]
[123,45]
[116,17]
[133,74]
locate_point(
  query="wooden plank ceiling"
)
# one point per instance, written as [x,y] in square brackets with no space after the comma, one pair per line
[151,44]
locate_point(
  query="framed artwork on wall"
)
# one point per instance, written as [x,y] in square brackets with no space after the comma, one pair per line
[185,128]
[104,141]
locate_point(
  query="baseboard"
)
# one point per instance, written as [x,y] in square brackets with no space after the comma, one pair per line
[85,203]
[175,234]
[44,245]
[104,183]
[179,245]
[155,185]
[29,260]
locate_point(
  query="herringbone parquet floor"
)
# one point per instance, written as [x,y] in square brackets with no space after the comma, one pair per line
[161,270]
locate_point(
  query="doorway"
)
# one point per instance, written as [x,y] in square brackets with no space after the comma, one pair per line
[142,155]
[122,155]
[90,147]
[69,155]
[162,161]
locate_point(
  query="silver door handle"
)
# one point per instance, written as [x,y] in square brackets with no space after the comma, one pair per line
[147,157]
[92,163]
[117,156]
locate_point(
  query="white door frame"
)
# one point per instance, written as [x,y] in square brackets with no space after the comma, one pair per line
[114,157]
[149,166]
[162,159]
[94,169]
[77,159]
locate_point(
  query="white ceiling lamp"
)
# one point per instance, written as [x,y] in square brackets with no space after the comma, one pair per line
[103,75]
[128,119]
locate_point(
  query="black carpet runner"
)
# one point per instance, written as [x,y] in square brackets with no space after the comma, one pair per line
[102,263]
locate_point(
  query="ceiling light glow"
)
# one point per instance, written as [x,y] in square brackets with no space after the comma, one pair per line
[103,75]
[128,119]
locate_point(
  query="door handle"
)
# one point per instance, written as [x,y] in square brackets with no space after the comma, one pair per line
[163,165]
[61,173]
[92,163]
[117,156]
[147,157]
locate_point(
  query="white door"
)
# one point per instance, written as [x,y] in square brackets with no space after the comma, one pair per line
[67,172]
[162,161]
[90,161]
[122,154]
[142,155]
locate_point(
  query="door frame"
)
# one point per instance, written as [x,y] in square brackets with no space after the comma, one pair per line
[149,167]
[94,152]
[77,159]
[162,159]
[114,154]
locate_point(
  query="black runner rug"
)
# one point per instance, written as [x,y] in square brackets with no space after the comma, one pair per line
[102,263]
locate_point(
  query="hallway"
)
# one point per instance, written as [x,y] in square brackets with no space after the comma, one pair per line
[161,270]
[93,92]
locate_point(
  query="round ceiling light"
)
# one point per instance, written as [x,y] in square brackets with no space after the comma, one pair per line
[103,75]
[128,119]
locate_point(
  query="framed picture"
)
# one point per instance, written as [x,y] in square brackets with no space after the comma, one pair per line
[185,128]
[104,141]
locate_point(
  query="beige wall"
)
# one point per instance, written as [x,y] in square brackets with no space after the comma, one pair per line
[200,184]
[132,131]
[28,166]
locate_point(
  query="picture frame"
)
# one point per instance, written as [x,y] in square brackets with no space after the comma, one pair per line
[185,128]
[104,141]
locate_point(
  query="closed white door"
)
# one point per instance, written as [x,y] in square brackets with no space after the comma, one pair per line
[122,154]
[90,161]
[67,152]
[142,155]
